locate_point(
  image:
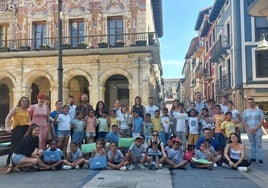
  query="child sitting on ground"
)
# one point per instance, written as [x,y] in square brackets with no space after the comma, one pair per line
[74,158]
[169,146]
[175,159]
[116,159]
[154,155]
[99,151]
[214,155]
[53,156]
[137,153]
[202,158]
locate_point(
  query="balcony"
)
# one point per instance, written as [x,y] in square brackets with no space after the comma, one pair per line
[207,75]
[220,48]
[258,8]
[199,70]
[223,83]
[80,42]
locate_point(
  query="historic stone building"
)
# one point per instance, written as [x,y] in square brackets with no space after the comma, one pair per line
[110,50]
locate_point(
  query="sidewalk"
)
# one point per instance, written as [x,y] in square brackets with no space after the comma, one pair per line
[131,179]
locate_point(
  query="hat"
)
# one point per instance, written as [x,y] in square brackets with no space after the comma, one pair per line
[174,140]
[138,137]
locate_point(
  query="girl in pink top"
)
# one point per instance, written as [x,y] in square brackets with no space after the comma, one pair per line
[91,122]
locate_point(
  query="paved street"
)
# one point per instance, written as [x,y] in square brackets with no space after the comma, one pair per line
[219,177]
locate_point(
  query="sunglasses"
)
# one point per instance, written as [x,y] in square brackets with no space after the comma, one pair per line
[155,134]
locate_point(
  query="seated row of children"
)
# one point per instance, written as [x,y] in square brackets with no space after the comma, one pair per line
[137,155]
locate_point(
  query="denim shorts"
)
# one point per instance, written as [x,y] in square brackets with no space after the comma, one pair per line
[63,133]
[16,158]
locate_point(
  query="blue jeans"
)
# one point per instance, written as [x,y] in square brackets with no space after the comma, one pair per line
[255,141]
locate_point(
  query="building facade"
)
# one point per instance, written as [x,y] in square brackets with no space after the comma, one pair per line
[233,66]
[110,50]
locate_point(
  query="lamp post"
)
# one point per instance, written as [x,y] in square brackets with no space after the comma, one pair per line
[263,44]
[60,68]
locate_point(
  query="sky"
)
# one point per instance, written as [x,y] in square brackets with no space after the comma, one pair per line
[179,18]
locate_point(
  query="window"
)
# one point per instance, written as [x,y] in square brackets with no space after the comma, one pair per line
[115,29]
[77,32]
[259,32]
[261,64]
[228,35]
[3,35]
[40,34]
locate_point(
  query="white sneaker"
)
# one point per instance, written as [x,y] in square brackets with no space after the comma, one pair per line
[66,167]
[123,168]
[131,167]
[225,165]
[141,166]
[215,165]
[160,165]
[242,168]
[77,167]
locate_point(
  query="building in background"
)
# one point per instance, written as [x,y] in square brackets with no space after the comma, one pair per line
[110,50]
[170,89]
[231,63]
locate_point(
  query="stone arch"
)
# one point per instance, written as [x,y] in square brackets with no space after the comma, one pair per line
[32,76]
[12,78]
[6,95]
[69,74]
[116,70]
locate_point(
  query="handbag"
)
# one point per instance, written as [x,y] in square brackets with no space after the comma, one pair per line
[98,163]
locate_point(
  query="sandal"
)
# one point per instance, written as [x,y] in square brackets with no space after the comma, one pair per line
[9,170]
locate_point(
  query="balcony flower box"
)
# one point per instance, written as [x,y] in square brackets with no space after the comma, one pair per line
[24,48]
[44,47]
[81,45]
[103,45]
[66,46]
[4,49]
[141,43]
[119,44]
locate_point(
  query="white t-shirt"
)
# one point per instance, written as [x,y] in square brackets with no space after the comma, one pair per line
[224,108]
[64,122]
[181,121]
[165,120]
[193,125]
[151,110]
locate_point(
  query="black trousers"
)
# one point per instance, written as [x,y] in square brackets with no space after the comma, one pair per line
[244,163]
[17,135]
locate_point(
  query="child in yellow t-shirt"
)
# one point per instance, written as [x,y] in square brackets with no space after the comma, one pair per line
[228,126]
[218,118]
[113,119]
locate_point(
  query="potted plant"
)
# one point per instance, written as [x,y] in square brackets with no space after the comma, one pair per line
[44,47]
[81,45]
[103,45]
[4,49]
[66,46]
[24,48]
[119,44]
[141,43]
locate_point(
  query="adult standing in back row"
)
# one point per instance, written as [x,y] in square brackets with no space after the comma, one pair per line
[198,102]
[138,107]
[84,107]
[151,108]
[18,127]
[253,119]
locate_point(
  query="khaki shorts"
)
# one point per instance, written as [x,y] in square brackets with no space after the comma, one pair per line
[192,139]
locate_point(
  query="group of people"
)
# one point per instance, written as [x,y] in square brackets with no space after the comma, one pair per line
[205,134]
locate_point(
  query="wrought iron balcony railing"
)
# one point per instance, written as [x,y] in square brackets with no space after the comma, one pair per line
[78,42]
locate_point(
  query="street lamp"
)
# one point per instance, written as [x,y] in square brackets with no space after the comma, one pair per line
[60,68]
[263,44]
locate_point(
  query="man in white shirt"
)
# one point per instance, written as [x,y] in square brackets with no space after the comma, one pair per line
[72,108]
[151,108]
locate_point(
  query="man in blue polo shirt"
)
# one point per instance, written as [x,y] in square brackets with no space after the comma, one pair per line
[207,136]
